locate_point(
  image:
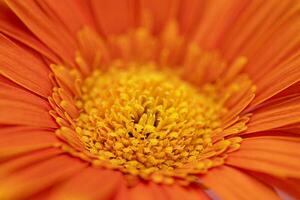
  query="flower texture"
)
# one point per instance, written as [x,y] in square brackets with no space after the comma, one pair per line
[149,99]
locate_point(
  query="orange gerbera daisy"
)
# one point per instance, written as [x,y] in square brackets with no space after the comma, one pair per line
[148,99]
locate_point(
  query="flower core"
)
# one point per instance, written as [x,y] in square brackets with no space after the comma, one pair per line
[144,121]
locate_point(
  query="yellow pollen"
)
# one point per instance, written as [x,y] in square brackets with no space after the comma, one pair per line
[145,122]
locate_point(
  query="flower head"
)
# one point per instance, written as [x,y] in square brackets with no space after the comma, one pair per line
[149,99]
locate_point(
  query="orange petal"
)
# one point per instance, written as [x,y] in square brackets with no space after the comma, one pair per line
[72,14]
[21,113]
[271,155]
[26,160]
[275,26]
[42,195]
[290,186]
[291,129]
[283,44]
[287,145]
[146,192]
[92,48]
[258,20]
[158,191]
[264,165]
[71,137]
[268,86]
[13,93]
[229,183]
[24,67]
[238,103]
[176,192]
[216,20]
[14,143]
[275,115]
[190,13]
[64,78]
[11,26]
[161,12]
[123,191]
[7,129]
[39,176]
[114,16]
[46,27]
[90,184]
[293,90]
[272,25]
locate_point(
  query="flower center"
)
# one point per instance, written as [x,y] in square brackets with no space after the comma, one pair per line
[121,109]
[143,121]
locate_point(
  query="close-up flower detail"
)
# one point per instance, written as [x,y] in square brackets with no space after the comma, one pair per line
[140,99]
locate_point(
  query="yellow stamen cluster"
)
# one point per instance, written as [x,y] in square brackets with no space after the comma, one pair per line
[145,121]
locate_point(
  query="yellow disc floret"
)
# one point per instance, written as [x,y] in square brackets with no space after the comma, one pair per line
[144,121]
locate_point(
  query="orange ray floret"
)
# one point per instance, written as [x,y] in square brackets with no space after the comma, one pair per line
[230,183]
[257,154]
[91,183]
[275,115]
[176,192]
[56,37]
[26,160]
[12,26]
[290,186]
[125,12]
[58,169]
[18,142]
[29,71]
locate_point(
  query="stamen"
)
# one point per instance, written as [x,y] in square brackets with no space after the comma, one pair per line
[148,123]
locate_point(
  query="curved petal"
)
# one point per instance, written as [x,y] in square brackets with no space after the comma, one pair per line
[267,87]
[90,184]
[21,113]
[123,191]
[274,155]
[114,16]
[275,115]
[148,191]
[24,67]
[39,177]
[72,14]
[176,192]
[11,26]
[160,12]
[217,19]
[189,15]
[230,183]
[15,93]
[287,185]
[23,141]
[267,33]
[46,27]
[20,162]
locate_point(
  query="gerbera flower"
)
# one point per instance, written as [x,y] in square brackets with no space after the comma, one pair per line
[149,99]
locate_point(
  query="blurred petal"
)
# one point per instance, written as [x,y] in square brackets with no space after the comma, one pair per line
[272,155]
[38,177]
[230,183]
[114,16]
[90,183]
[15,143]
